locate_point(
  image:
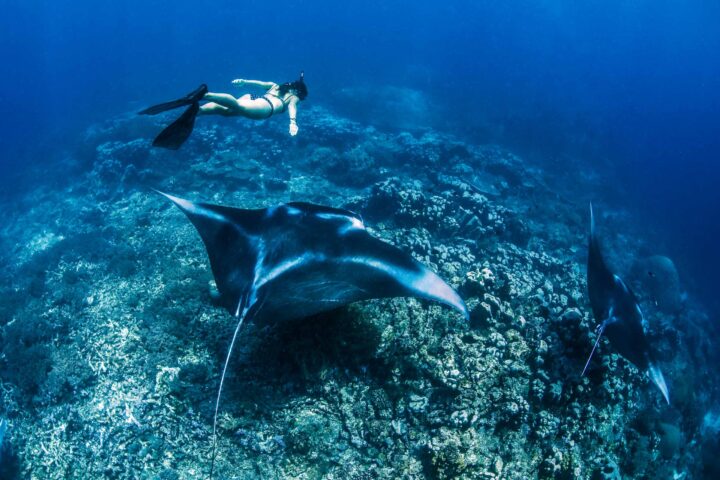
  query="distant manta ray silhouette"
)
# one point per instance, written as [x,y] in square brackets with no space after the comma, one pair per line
[614,305]
[299,259]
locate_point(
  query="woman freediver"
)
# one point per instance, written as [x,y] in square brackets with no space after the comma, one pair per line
[277,99]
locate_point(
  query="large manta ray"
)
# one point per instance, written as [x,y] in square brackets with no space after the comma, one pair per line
[617,310]
[299,259]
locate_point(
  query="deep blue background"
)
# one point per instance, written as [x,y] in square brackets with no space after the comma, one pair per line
[631,81]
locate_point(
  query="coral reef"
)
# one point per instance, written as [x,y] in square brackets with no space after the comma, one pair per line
[111,344]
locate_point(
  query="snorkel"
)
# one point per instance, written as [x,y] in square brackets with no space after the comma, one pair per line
[298,86]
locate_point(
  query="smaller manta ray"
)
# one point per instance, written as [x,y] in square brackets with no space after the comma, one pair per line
[614,305]
[299,259]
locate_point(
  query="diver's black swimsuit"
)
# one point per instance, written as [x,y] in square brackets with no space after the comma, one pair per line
[272,107]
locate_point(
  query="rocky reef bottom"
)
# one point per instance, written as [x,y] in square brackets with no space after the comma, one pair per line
[112,346]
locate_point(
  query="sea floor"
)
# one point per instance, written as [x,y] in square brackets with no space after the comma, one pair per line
[112,345]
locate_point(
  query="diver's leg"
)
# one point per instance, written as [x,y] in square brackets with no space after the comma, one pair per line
[212,108]
[254,108]
[224,100]
[246,106]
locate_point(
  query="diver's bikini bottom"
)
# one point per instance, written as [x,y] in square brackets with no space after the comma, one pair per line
[272,107]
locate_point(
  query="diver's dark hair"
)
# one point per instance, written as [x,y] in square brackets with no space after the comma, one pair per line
[298,86]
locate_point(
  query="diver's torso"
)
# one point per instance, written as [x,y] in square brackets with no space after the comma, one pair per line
[278,101]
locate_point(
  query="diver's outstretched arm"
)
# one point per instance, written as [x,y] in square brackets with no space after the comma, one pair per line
[239,82]
[292,113]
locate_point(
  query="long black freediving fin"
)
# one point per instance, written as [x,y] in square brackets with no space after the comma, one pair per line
[175,134]
[192,97]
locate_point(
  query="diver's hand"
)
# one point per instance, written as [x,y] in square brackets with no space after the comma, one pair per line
[238,82]
[293,128]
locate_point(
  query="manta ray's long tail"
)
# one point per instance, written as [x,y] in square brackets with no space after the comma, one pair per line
[244,306]
[597,341]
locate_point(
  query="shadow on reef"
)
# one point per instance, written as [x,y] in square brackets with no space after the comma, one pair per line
[300,355]
[338,339]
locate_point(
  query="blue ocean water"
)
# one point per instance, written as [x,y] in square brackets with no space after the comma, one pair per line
[630,88]
[632,82]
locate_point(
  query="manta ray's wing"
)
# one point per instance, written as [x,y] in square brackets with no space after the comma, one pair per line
[600,279]
[300,259]
[232,251]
